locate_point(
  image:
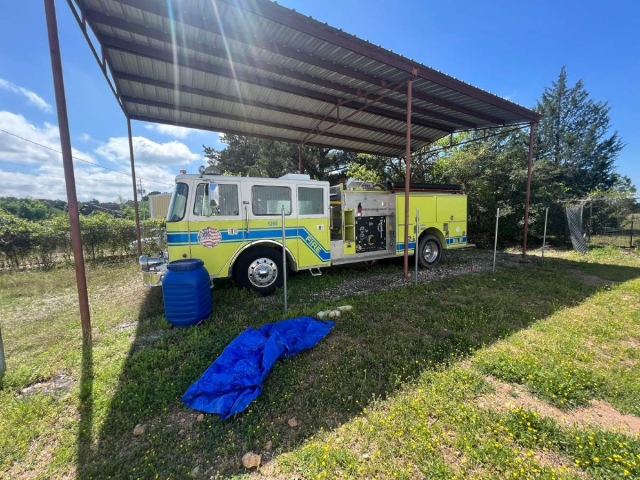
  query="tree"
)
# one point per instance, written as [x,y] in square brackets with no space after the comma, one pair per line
[27,208]
[575,155]
[574,136]
[246,156]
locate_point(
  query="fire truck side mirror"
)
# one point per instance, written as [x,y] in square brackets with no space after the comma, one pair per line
[211,199]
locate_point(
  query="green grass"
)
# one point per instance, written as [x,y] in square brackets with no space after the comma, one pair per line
[385,393]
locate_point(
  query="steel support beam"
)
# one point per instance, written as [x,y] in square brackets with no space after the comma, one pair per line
[407,185]
[241,76]
[316,131]
[135,188]
[67,163]
[227,32]
[142,118]
[263,123]
[528,194]
[300,169]
[296,21]
[99,59]
[266,106]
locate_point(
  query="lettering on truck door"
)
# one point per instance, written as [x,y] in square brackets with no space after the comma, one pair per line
[314,244]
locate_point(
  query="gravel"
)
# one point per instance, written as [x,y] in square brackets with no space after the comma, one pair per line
[463,262]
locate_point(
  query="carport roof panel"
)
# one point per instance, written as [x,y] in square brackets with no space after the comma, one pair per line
[224,56]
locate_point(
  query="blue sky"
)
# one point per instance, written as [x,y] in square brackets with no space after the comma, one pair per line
[513,49]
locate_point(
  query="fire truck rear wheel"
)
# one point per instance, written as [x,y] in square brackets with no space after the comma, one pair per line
[259,269]
[429,251]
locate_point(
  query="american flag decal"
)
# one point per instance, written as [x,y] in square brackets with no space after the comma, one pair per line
[209,237]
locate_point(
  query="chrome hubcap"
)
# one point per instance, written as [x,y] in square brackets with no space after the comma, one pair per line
[263,272]
[430,252]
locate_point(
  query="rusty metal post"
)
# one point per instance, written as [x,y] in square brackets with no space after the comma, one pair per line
[544,234]
[407,184]
[495,239]
[415,249]
[528,195]
[3,363]
[135,188]
[67,163]
[300,158]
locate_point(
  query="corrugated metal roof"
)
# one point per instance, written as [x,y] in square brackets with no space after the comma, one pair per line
[256,68]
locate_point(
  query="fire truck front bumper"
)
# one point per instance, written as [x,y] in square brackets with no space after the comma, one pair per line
[153,270]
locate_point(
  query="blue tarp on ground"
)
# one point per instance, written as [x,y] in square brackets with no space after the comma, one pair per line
[230,384]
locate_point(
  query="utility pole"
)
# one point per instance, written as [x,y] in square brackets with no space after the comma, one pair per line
[141,191]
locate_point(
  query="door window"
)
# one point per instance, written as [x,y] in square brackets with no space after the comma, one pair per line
[268,200]
[310,201]
[225,204]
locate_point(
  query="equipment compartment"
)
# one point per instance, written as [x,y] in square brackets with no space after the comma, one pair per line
[371,234]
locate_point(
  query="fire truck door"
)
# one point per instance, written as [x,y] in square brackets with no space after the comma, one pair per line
[313,233]
[216,224]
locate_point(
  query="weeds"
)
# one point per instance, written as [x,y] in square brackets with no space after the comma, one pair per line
[388,394]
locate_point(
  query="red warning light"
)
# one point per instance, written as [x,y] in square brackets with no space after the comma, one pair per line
[182,172]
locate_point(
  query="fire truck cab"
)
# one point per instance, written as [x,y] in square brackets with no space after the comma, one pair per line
[235,225]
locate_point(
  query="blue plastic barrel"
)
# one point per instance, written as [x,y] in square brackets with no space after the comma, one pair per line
[186,291]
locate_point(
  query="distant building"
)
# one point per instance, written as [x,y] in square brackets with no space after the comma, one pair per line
[159,205]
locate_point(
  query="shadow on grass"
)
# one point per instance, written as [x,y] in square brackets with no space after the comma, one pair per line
[85,428]
[388,339]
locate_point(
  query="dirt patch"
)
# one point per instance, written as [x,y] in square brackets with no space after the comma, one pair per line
[126,325]
[559,463]
[631,342]
[598,414]
[58,383]
[589,279]
[181,418]
[40,456]
[453,457]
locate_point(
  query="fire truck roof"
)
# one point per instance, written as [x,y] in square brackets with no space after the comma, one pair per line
[228,178]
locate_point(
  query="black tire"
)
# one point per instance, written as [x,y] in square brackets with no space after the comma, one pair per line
[429,251]
[259,269]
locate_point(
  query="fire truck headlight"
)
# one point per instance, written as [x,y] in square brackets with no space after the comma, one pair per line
[147,262]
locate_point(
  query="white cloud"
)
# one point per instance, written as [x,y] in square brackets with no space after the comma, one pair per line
[41,145]
[147,152]
[85,137]
[156,163]
[32,97]
[171,130]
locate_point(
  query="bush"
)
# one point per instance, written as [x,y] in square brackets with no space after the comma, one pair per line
[17,239]
[46,242]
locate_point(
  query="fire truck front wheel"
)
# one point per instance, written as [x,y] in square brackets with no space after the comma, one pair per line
[259,269]
[429,251]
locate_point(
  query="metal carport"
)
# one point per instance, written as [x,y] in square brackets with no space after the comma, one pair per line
[253,67]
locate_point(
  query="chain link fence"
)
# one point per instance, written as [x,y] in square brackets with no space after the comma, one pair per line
[604,222]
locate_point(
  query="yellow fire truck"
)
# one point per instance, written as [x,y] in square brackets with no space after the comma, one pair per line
[234,224]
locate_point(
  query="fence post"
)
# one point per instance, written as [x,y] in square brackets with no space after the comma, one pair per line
[631,237]
[495,243]
[284,261]
[590,222]
[3,363]
[544,234]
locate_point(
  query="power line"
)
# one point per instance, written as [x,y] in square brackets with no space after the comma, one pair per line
[80,159]
[469,141]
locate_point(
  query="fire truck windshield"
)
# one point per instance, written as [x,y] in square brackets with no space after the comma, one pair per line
[178,205]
